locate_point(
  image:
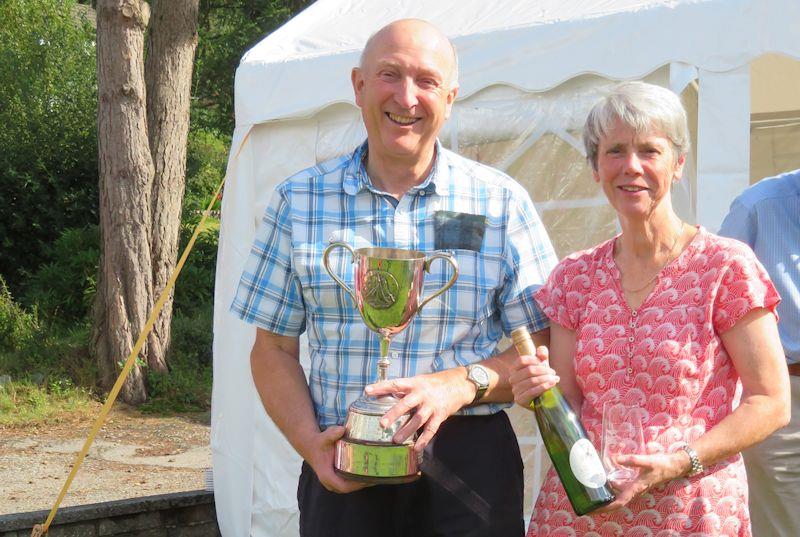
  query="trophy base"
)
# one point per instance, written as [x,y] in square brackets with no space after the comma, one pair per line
[376,464]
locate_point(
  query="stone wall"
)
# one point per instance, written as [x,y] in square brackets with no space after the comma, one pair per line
[183,514]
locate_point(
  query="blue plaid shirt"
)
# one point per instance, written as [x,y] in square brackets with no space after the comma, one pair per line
[285,289]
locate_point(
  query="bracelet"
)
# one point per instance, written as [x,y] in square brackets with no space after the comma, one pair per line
[694,460]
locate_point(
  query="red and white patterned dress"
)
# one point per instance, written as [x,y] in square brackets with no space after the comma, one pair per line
[666,357]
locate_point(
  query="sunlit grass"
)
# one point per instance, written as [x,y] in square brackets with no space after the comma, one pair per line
[22,402]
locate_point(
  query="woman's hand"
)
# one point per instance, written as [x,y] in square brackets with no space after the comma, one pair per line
[653,470]
[531,376]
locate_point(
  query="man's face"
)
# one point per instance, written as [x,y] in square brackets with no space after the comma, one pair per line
[405,90]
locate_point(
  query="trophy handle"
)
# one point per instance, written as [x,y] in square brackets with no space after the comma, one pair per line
[450,259]
[331,247]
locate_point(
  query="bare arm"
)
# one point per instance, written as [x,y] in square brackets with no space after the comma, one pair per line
[755,350]
[283,389]
[436,396]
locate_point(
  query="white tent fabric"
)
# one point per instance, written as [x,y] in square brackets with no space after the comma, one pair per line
[529,71]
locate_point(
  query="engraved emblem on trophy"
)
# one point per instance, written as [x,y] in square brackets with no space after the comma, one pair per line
[387,288]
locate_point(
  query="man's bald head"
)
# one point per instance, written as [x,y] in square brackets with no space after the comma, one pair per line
[418,30]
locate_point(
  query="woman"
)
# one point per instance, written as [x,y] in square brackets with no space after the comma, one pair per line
[666,317]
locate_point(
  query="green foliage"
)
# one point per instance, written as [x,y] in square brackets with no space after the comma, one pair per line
[17,327]
[226,30]
[24,402]
[42,369]
[49,143]
[187,386]
[206,158]
[205,167]
[49,243]
[194,289]
[63,287]
[52,355]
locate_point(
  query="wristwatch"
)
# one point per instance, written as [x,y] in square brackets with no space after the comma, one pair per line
[694,460]
[479,376]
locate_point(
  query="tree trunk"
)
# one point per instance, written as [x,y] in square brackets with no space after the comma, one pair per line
[172,40]
[124,289]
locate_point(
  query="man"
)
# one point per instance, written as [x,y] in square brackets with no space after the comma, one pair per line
[400,189]
[767,217]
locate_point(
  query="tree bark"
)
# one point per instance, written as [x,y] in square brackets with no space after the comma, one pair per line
[172,41]
[124,289]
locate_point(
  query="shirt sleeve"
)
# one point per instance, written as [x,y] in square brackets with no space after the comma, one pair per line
[744,286]
[529,258]
[739,224]
[554,297]
[269,293]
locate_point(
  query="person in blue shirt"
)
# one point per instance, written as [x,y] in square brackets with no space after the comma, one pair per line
[767,217]
[400,189]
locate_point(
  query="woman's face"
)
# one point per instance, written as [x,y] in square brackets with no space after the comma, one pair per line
[636,171]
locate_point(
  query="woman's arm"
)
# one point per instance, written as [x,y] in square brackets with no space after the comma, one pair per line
[755,350]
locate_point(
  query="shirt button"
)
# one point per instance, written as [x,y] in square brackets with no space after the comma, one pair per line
[634,313]
[421,192]
[630,354]
[629,370]
[630,339]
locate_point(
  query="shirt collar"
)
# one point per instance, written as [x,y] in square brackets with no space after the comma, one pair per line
[356,178]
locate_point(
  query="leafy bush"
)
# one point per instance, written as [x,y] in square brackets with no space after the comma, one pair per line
[18,328]
[187,386]
[63,287]
[206,158]
[226,30]
[48,109]
[207,155]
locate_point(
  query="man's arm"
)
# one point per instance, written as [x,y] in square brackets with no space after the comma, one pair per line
[434,397]
[283,389]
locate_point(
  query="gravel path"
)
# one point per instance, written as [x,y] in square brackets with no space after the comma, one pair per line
[133,455]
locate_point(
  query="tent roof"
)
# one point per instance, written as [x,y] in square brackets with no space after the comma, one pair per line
[303,66]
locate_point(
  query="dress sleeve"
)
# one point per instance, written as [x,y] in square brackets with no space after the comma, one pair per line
[744,286]
[556,298]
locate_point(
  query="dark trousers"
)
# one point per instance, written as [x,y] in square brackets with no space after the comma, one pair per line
[481,451]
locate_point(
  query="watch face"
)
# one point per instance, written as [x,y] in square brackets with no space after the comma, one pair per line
[479,375]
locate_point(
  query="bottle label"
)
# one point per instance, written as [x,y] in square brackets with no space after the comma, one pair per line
[586,464]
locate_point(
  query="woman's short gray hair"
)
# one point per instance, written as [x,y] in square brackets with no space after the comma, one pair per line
[642,107]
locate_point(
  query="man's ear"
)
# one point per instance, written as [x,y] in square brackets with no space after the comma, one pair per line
[357,78]
[449,100]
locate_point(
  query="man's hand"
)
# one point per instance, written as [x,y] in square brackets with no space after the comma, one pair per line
[432,398]
[531,376]
[321,457]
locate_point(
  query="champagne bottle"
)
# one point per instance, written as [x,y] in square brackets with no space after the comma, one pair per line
[574,457]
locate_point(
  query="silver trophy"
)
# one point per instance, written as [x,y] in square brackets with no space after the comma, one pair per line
[387,289]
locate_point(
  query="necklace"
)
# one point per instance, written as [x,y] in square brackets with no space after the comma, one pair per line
[669,260]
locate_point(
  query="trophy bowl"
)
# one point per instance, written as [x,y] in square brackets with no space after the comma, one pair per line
[388,284]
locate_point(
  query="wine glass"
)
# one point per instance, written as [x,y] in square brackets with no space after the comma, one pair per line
[622,435]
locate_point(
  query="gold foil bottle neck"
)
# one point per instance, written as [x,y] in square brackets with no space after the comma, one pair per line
[522,341]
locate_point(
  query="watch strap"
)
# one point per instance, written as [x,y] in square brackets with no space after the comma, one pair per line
[694,460]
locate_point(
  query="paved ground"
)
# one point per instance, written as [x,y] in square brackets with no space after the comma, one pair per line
[133,455]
